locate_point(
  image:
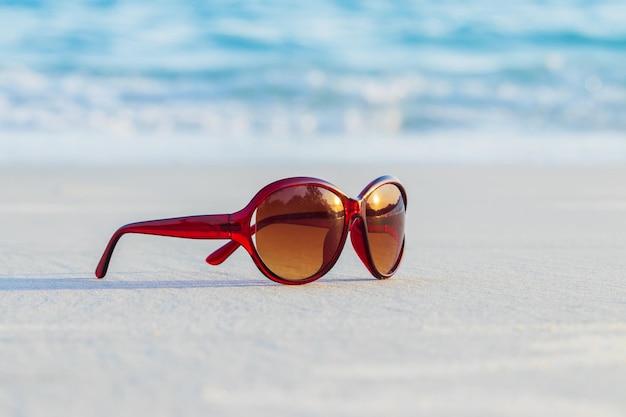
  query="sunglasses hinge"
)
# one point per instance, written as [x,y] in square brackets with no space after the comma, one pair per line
[231,226]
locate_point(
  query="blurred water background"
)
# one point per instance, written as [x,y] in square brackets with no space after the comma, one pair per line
[140,81]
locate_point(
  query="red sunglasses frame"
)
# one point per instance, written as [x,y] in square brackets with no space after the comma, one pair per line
[236,227]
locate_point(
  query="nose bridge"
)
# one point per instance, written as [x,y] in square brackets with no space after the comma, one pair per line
[353,207]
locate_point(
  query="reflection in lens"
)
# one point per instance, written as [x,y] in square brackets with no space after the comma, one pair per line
[297,230]
[385,212]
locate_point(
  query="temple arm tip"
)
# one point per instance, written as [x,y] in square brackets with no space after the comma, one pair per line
[222,253]
[101,269]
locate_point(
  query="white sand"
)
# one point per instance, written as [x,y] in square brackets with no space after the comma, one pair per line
[511,300]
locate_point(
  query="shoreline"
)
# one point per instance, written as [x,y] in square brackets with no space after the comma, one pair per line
[445,147]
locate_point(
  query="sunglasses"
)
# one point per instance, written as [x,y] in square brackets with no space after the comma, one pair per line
[295,229]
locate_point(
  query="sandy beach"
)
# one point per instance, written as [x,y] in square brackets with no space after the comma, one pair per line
[510,300]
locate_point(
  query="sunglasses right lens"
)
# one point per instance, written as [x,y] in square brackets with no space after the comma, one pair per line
[297,230]
[385,213]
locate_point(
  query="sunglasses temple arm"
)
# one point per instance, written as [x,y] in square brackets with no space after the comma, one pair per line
[192,227]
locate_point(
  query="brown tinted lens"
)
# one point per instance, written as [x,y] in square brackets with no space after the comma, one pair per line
[297,230]
[385,226]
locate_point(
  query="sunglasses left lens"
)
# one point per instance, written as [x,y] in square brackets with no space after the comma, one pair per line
[297,230]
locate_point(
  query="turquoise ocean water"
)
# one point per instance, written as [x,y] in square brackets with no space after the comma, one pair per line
[278,73]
